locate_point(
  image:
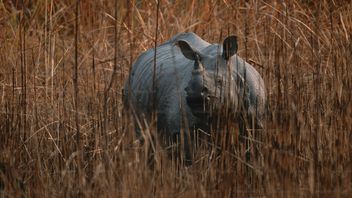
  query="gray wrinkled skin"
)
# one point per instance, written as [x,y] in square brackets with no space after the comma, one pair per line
[190,91]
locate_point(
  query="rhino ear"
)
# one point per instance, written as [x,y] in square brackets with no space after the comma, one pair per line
[229,47]
[187,50]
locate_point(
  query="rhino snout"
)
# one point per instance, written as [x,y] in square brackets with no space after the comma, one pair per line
[198,99]
[201,93]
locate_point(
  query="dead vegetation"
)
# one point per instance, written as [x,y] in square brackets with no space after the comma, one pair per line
[64,131]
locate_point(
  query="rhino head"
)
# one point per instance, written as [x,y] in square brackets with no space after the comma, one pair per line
[212,86]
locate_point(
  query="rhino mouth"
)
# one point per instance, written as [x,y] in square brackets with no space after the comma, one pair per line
[199,105]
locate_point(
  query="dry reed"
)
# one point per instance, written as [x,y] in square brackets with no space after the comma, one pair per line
[64,131]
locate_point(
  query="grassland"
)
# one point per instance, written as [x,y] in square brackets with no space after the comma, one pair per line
[64,131]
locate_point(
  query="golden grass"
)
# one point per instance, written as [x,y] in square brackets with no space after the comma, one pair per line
[303,50]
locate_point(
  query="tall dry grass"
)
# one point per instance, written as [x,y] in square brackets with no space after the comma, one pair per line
[64,131]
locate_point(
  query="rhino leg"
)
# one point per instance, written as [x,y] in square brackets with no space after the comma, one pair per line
[187,148]
[243,137]
[242,128]
[176,134]
[254,124]
[138,133]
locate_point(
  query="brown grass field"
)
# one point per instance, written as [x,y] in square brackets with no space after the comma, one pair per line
[64,131]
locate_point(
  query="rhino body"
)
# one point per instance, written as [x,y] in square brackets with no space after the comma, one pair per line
[190,72]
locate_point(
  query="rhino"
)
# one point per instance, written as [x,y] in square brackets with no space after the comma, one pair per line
[189,82]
